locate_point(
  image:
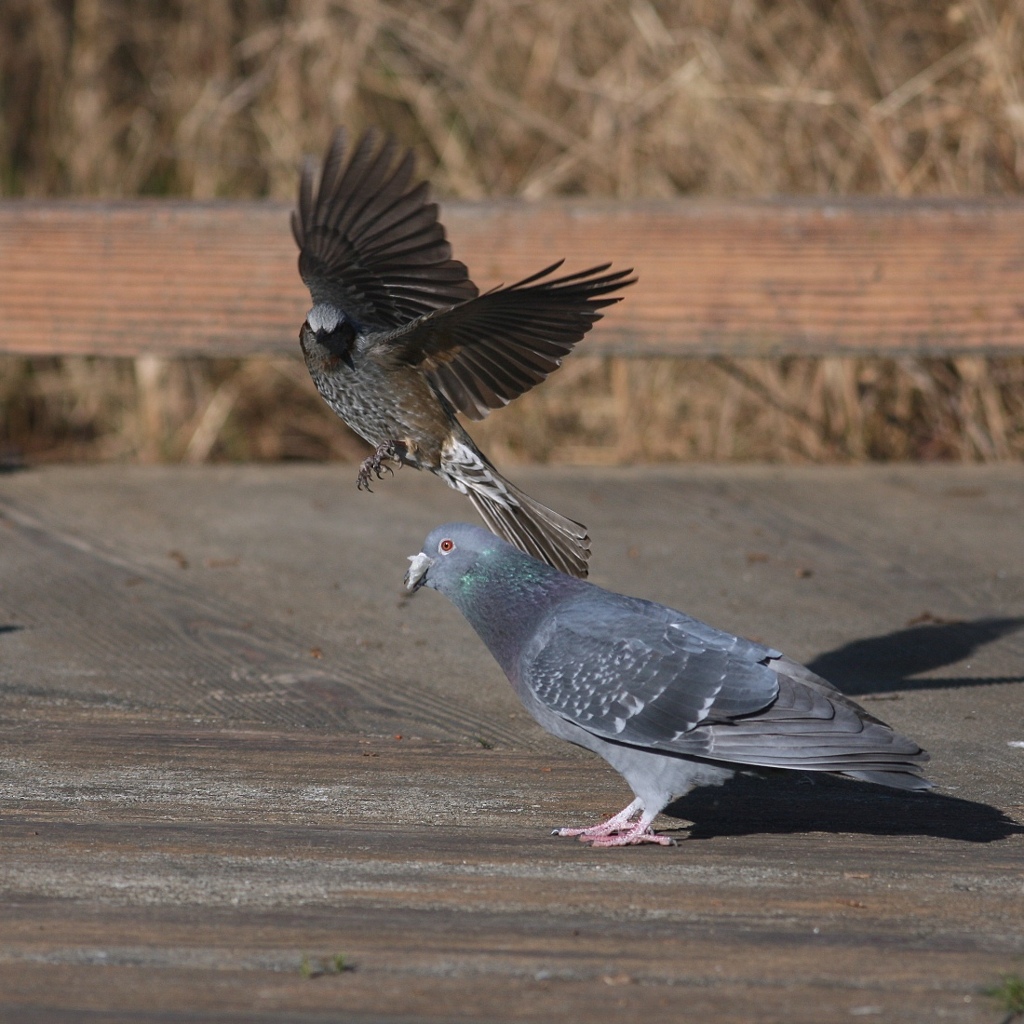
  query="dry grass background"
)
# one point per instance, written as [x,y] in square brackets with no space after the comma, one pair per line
[618,98]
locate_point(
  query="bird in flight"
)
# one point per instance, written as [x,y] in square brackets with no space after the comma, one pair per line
[399,340]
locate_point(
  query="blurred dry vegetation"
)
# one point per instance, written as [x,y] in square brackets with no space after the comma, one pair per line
[616,98]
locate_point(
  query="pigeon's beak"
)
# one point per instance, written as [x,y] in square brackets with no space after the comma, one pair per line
[417,574]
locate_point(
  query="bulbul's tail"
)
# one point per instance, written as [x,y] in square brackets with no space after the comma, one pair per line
[535,529]
[513,515]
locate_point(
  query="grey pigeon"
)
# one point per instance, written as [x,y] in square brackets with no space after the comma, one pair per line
[668,701]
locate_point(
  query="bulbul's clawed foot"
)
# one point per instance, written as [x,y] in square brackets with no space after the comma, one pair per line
[385,452]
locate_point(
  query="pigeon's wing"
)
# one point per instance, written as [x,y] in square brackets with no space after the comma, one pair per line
[639,673]
[483,353]
[802,674]
[813,728]
[627,676]
[369,239]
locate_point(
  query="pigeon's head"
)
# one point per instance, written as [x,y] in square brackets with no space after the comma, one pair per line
[451,553]
[329,333]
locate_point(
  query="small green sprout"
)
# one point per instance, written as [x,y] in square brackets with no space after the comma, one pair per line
[323,965]
[1010,996]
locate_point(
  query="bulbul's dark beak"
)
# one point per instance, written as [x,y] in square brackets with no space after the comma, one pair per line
[417,574]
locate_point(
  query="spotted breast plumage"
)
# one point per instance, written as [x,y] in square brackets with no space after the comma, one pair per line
[399,340]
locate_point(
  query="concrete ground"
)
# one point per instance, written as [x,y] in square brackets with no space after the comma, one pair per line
[233,751]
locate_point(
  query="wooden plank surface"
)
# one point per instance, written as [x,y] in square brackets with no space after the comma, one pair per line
[733,278]
[230,751]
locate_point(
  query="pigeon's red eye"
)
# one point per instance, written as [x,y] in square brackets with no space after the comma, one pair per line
[446,545]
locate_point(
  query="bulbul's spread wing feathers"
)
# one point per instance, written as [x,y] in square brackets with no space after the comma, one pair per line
[369,242]
[647,680]
[485,352]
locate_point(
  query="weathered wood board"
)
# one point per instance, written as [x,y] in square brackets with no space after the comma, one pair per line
[737,278]
[230,750]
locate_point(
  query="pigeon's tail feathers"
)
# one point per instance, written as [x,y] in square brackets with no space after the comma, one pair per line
[516,517]
[908,780]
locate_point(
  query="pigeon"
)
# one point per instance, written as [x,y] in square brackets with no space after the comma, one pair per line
[668,701]
[399,339]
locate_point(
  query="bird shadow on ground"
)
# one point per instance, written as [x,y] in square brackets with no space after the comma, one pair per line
[890,662]
[10,629]
[783,802]
[11,461]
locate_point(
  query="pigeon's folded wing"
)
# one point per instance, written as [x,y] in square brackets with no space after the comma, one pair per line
[487,351]
[628,677]
[642,674]
[809,728]
[369,243]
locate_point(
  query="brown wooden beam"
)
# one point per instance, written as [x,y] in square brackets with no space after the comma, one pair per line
[728,278]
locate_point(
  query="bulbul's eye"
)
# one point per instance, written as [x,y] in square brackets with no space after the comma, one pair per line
[446,545]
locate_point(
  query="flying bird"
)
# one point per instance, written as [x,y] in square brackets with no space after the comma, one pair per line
[668,701]
[399,339]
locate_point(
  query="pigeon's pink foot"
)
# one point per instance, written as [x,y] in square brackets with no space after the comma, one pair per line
[620,830]
[620,822]
[634,837]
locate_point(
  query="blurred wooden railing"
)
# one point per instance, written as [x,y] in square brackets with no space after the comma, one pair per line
[716,278]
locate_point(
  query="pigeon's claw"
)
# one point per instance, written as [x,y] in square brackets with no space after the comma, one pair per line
[634,837]
[373,466]
[620,829]
[615,824]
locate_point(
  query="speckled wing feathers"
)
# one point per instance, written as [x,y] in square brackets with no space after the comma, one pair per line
[638,676]
[628,677]
[369,243]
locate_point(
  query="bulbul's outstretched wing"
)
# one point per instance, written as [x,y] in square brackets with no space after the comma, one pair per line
[484,352]
[369,239]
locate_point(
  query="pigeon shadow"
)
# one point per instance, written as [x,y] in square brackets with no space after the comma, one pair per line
[11,461]
[10,629]
[886,663]
[783,802]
